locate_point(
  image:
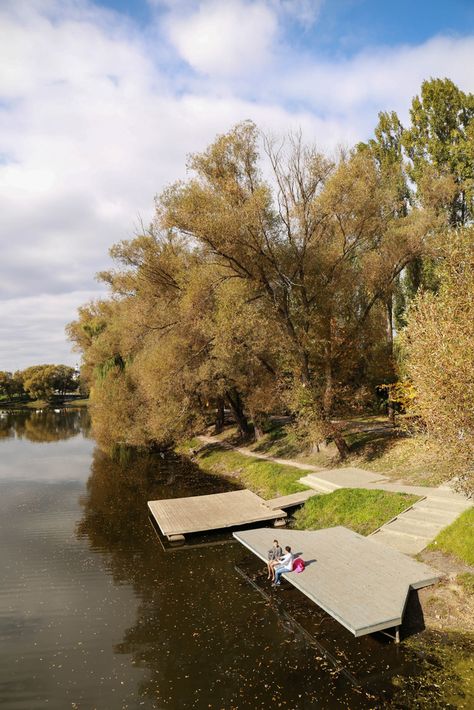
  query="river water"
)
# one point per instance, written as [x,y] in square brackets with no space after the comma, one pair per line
[95,612]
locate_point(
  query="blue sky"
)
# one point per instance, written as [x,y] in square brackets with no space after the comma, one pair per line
[100,103]
[344,27]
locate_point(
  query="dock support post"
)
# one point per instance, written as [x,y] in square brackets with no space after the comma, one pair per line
[279,523]
[397,634]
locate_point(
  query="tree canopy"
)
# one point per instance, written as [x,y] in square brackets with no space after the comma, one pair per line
[280,293]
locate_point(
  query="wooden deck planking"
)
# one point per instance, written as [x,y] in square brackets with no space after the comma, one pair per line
[360,583]
[178,516]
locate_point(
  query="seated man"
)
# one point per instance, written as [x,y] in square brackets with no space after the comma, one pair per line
[286,565]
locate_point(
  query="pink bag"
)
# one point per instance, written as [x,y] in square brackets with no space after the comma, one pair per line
[298,565]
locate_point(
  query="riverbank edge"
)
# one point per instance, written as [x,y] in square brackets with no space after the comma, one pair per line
[448,607]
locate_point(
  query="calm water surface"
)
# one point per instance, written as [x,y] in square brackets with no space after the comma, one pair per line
[96,613]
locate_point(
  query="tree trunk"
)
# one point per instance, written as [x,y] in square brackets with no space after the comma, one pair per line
[257,428]
[390,326]
[235,403]
[341,445]
[219,425]
[328,396]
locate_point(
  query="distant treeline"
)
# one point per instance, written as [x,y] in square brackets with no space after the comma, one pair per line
[277,279]
[39,382]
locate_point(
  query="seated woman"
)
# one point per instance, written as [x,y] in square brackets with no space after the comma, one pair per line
[274,555]
[286,565]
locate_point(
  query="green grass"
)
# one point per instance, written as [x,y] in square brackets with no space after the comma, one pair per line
[458,538]
[265,478]
[466,580]
[186,447]
[358,509]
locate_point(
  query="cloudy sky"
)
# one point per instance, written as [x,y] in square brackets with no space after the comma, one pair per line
[100,102]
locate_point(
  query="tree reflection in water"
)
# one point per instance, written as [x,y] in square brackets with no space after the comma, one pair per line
[203,635]
[45,425]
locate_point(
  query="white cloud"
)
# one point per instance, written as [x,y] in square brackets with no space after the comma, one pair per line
[93,124]
[379,77]
[225,39]
[306,12]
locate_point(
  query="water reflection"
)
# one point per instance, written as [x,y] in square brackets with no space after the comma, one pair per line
[45,425]
[95,613]
[204,636]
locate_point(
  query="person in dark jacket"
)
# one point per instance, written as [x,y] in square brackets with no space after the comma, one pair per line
[274,555]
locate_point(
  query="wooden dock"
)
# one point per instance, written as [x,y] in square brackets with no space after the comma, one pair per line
[359,582]
[178,516]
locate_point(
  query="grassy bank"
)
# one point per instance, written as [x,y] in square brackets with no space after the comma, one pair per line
[374,444]
[265,478]
[450,605]
[458,538]
[45,404]
[360,510]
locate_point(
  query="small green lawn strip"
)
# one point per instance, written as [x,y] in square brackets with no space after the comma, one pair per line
[265,478]
[458,538]
[359,509]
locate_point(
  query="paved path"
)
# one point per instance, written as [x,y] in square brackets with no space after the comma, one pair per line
[411,531]
[248,452]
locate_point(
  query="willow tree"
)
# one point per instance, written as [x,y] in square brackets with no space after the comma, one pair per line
[439,342]
[178,339]
[321,249]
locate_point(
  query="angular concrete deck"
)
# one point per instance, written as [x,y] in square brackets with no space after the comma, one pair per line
[360,583]
[178,516]
[292,499]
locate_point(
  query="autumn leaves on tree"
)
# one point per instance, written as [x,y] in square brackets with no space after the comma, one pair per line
[276,294]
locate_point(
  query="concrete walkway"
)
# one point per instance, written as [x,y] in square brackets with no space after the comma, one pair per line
[415,528]
[411,531]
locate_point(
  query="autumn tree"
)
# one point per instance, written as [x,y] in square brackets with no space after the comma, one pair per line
[10,384]
[433,159]
[42,381]
[322,254]
[441,139]
[439,342]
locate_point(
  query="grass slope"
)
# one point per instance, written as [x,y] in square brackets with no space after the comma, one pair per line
[358,509]
[458,538]
[265,478]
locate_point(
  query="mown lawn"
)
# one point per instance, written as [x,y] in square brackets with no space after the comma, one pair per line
[458,538]
[265,478]
[356,508]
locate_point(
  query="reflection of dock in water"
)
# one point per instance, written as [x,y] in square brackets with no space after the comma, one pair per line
[362,584]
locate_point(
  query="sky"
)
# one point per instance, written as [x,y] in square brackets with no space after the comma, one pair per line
[102,102]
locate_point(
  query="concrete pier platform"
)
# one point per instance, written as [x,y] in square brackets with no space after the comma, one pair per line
[360,583]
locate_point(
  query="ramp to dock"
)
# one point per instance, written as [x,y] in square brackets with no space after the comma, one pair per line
[178,516]
[362,584]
